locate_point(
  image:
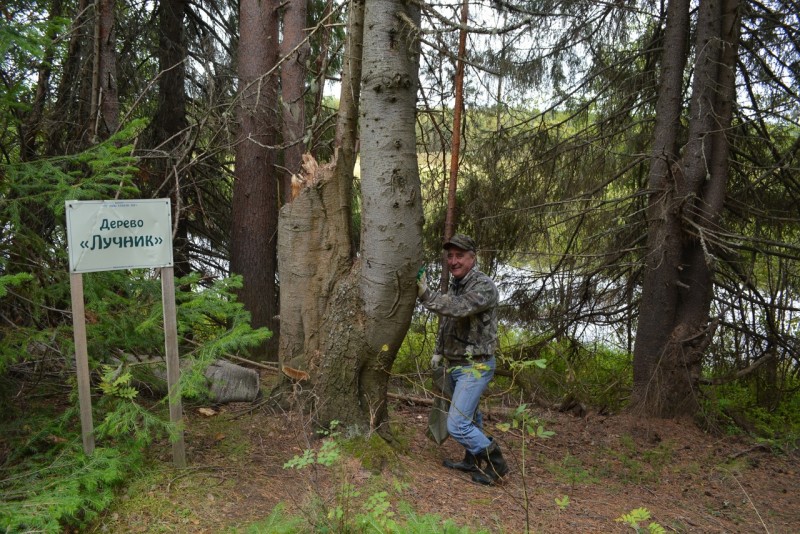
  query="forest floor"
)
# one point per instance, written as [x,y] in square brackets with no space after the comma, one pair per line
[594,469]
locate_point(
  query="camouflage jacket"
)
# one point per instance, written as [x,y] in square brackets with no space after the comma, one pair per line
[467,317]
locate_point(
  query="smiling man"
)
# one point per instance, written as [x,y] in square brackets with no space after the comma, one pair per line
[466,342]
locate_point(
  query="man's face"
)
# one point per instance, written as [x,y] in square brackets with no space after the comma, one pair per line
[459,262]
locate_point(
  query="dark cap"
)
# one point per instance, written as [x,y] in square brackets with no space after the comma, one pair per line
[464,242]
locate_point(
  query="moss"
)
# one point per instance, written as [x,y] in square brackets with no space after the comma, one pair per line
[375,453]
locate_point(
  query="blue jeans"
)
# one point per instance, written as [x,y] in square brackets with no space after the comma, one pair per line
[464,420]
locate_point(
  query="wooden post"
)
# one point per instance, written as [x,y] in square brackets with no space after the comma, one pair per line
[173,361]
[82,361]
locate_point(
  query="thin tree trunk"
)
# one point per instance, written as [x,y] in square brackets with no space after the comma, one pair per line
[455,148]
[658,300]
[67,131]
[31,127]
[106,95]
[168,131]
[295,51]
[321,62]
[346,139]
[170,117]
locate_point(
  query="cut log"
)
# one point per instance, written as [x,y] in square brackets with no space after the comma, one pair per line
[227,382]
[232,383]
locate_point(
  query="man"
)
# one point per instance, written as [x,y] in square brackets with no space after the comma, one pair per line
[466,342]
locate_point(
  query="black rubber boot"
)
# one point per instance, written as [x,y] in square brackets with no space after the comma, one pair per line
[493,467]
[469,464]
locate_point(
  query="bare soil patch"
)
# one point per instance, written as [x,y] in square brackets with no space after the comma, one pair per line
[689,480]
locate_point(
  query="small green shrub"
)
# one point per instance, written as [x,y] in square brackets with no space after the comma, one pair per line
[278,522]
[570,471]
[637,516]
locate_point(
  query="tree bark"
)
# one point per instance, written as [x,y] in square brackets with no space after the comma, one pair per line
[31,127]
[684,210]
[346,137]
[255,189]
[168,131]
[67,131]
[391,235]
[105,113]
[295,51]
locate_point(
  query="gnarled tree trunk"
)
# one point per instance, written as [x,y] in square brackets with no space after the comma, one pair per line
[686,201]
[342,321]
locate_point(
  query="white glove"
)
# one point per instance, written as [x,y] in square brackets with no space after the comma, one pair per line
[436,361]
[422,287]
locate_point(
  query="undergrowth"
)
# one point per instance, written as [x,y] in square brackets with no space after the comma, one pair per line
[374,507]
[48,482]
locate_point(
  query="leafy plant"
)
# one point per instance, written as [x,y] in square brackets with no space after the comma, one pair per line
[327,455]
[116,382]
[571,471]
[637,516]
[524,420]
[377,513]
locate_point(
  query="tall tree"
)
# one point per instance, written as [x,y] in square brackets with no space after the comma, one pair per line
[362,309]
[255,189]
[168,130]
[686,201]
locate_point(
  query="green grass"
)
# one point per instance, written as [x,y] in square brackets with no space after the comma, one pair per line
[570,470]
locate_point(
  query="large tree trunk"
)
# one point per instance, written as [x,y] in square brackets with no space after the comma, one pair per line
[685,205]
[255,190]
[346,320]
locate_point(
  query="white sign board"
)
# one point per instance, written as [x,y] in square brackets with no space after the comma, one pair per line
[106,235]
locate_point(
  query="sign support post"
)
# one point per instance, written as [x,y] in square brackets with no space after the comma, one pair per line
[123,234]
[173,362]
[82,361]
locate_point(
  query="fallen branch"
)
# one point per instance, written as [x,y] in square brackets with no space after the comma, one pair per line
[719,381]
[410,399]
[759,447]
[269,366]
